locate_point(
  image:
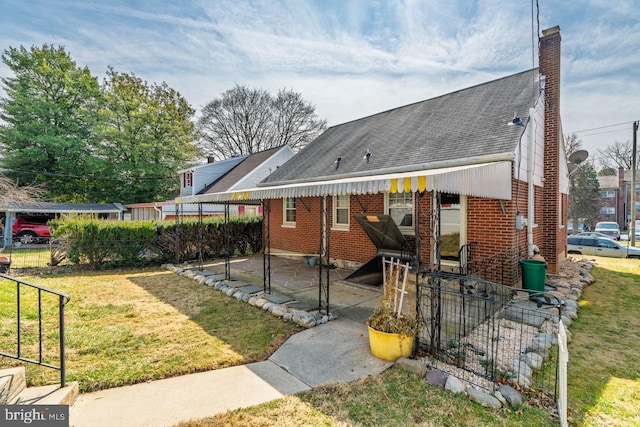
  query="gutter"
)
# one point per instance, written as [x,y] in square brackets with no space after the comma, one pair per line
[499,157]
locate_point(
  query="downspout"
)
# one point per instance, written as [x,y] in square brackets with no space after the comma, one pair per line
[530,187]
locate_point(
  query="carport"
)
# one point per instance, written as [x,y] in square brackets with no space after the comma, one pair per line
[12,210]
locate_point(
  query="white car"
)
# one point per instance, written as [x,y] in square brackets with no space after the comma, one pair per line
[610,228]
[600,247]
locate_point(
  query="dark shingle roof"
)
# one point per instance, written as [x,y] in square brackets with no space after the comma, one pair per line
[452,128]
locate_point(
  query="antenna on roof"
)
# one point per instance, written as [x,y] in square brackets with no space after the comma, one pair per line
[517,121]
[367,156]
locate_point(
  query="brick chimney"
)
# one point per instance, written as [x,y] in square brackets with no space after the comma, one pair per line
[555,241]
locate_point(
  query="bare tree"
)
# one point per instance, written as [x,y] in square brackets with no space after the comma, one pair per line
[11,193]
[572,144]
[616,155]
[246,121]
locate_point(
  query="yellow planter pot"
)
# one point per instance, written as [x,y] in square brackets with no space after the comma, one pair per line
[390,347]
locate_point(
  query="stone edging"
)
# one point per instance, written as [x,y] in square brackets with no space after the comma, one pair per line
[300,317]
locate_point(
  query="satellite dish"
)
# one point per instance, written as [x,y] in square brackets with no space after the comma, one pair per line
[572,168]
[578,157]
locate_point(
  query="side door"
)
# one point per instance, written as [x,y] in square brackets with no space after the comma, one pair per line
[610,249]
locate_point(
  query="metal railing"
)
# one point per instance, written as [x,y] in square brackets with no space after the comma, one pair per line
[483,330]
[22,327]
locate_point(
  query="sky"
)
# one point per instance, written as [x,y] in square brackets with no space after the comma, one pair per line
[351,58]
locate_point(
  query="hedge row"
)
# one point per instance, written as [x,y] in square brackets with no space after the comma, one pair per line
[85,239]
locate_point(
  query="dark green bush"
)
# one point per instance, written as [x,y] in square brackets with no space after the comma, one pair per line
[98,242]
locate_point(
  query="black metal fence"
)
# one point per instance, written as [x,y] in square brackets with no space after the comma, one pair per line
[29,334]
[485,333]
[502,267]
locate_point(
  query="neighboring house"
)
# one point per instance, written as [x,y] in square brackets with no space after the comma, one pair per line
[148,211]
[615,198]
[237,177]
[52,210]
[458,169]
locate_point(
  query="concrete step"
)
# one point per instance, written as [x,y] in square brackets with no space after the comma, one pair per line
[49,395]
[14,390]
[12,383]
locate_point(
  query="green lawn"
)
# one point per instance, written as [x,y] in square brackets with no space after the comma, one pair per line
[129,326]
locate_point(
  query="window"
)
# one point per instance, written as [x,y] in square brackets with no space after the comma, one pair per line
[341,212]
[289,212]
[187,179]
[607,194]
[607,210]
[400,207]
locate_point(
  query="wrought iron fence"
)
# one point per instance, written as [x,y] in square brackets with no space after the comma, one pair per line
[502,267]
[486,333]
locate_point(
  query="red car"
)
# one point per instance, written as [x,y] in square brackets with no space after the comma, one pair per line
[30,232]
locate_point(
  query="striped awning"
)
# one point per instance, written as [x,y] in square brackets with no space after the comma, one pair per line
[489,180]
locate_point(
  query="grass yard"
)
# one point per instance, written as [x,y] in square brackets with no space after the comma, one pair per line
[604,378]
[604,365]
[130,326]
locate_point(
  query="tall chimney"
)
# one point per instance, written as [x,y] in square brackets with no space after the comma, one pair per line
[555,237]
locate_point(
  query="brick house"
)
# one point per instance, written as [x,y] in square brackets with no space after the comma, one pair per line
[615,198]
[454,171]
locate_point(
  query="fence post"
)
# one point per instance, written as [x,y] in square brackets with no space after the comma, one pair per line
[563,359]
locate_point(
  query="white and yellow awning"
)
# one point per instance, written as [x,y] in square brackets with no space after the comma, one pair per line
[490,180]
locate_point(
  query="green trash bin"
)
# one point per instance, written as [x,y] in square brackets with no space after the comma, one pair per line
[534,274]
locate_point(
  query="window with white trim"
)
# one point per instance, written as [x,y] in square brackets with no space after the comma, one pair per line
[607,194]
[607,210]
[400,207]
[341,210]
[289,212]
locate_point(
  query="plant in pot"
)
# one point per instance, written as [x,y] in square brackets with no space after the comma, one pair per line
[392,325]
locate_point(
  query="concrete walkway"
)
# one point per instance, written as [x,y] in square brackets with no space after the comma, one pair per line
[337,351]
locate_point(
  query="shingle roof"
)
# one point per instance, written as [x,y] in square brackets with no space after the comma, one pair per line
[455,128]
[240,171]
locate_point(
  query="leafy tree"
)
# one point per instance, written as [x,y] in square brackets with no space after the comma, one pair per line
[146,136]
[49,113]
[123,141]
[246,121]
[585,188]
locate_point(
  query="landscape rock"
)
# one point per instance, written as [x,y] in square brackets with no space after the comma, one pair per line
[416,367]
[511,395]
[454,385]
[533,359]
[483,398]
[520,367]
[522,380]
[436,377]
[304,319]
[277,310]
